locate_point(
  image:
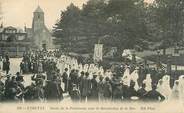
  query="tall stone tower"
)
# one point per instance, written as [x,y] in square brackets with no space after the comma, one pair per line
[38,19]
[41,35]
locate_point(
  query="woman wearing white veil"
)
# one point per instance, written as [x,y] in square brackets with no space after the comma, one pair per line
[148,82]
[61,65]
[101,71]
[134,76]
[68,60]
[166,86]
[77,66]
[80,67]
[95,69]
[86,67]
[74,63]
[91,75]
[58,63]
[175,91]
[108,74]
[91,68]
[126,76]
[160,87]
[181,89]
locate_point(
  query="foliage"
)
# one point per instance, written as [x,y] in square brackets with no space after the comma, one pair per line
[125,24]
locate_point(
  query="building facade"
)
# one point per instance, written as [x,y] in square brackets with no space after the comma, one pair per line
[13,41]
[39,33]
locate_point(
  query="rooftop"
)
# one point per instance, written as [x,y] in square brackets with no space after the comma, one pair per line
[38,9]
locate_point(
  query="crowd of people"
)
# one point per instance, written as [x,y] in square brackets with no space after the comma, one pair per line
[55,75]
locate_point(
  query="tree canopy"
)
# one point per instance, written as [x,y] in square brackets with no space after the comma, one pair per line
[121,23]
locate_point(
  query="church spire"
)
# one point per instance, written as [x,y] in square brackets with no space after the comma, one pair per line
[38,9]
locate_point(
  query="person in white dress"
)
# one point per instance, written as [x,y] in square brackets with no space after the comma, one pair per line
[108,74]
[80,68]
[126,76]
[166,86]
[86,66]
[181,89]
[101,71]
[134,76]
[148,82]
[160,86]
[91,68]
[175,91]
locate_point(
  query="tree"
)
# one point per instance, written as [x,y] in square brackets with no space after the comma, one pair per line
[169,18]
[116,23]
[127,24]
[66,29]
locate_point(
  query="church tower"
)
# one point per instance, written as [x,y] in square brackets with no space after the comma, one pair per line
[41,35]
[38,19]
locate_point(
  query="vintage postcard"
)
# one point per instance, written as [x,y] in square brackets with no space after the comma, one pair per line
[91,56]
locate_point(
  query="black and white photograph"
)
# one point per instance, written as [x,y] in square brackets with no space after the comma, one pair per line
[71,53]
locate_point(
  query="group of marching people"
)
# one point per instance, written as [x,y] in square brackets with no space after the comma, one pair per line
[101,88]
[34,61]
[46,80]
[55,75]
[89,82]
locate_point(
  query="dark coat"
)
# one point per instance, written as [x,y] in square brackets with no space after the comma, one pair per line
[154,95]
[52,91]
[130,93]
[94,89]
[65,77]
[86,87]
[107,90]
[141,93]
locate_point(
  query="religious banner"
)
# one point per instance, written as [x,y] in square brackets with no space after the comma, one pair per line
[98,52]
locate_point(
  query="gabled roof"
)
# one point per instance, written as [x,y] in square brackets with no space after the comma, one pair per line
[39,10]
[10,27]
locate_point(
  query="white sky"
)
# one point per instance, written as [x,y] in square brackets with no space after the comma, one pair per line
[17,13]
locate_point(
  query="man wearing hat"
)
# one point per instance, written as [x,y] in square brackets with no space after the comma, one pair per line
[7,85]
[107,89]
[65,79]
[94,89]
[52,90]
[7,66]
[86,87]
[20,79]
[100,89]
[75,94]
[1,88]
[80,81]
